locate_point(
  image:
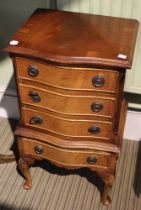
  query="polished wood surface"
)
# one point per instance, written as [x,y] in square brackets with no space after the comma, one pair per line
[24,163]
[108,180]
[64,143]
[64,77]
[62,156]
[49,100]
[70,71]
[67,128]
[56,36]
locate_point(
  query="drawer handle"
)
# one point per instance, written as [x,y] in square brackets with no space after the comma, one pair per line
[96,107]
[98,81]
[34,96]
[36,120]
[32,71]
[91,160]
[94,130]
[38,149]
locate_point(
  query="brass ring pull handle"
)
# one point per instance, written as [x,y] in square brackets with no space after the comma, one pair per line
[34,96]
[32,71]
[36,120]
[94,130]
[98,81]
[96,107]
[38,149]
[91,160]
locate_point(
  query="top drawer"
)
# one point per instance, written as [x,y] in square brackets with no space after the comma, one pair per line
[67,77]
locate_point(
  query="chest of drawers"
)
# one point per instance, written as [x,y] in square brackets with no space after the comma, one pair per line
[70,70]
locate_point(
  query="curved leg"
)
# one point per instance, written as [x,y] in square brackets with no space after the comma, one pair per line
[108,180]
[7,158]
[24,165]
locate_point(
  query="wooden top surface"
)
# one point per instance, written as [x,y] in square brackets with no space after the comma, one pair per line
[76,38]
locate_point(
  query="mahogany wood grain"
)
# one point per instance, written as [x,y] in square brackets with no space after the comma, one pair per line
[24,164]
[68,128]
[64,77]
[64,63]
[68,37]
[66,116]
[80,92]
[72,103]
[76,158]
[64,143]
[108,180]
[121,124]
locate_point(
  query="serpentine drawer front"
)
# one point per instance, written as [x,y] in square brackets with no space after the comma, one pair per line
[67,127]
[92,105]
[64,77]
[70,86]
[80,158]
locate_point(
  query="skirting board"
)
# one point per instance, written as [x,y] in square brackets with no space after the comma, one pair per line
[132,129]
[9,109]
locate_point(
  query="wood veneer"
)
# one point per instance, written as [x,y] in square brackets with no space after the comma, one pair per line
[49,100]
[70,70]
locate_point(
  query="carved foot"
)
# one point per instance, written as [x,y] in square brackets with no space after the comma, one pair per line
[108,180]
[24,165]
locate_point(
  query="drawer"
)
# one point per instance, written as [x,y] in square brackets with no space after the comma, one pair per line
[68,104]
[68,78]
[77,129]
[70,157]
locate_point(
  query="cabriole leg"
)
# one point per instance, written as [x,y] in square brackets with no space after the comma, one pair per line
[24,165]
[108,180]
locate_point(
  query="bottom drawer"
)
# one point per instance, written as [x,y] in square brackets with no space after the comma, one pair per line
[65,157]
